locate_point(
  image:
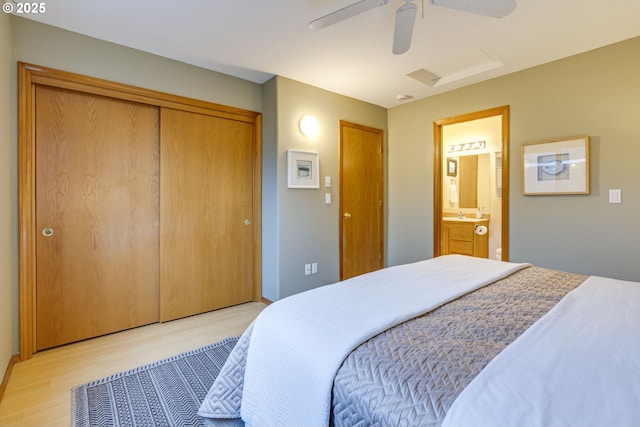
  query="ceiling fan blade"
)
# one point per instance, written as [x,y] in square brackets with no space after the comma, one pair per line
[345,13]
[492,8]
[405,18]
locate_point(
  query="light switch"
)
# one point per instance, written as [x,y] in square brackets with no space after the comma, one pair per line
[615,195]
[327,198]
[327,182]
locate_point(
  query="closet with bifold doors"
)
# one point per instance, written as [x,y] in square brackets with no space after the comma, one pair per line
[135,207]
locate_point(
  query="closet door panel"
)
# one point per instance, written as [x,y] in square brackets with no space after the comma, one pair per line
[205,213]
[97,207]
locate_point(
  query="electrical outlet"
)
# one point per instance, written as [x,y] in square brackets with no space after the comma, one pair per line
[307,269]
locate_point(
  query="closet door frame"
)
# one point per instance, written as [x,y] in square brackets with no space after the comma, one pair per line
[29,76]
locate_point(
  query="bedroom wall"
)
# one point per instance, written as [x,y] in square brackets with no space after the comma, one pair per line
[53,47]
[298,228]
[307,228]
[595,93]
[49,46]
[270,191]
[8,210]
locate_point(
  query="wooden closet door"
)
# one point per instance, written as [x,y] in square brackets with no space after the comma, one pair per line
[205,213]
[96,215]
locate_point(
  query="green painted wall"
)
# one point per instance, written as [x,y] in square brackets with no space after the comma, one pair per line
[49,46]
[53,47]
[8,206]
[597,94]
[307,228]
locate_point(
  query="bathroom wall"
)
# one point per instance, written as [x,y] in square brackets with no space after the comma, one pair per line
[489,197]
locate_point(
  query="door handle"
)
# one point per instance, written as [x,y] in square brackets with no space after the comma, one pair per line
[346,215]
[47,232]
[247,221]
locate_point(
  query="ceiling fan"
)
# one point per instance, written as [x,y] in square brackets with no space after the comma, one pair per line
[406,15]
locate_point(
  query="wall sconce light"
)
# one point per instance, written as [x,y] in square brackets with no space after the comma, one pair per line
[309,126]
[477,145]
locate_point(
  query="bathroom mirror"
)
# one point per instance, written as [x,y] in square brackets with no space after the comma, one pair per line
[469,187]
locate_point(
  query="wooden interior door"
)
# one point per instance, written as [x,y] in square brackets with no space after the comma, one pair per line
[361,200]
[97,191]
[206,213]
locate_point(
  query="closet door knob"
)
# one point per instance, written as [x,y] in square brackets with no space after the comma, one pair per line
[47,232]
[247,221]
[346,215]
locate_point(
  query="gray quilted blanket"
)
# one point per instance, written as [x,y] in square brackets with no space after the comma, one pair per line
[411,374]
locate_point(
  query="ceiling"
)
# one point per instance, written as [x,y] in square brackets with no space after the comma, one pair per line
[256,40]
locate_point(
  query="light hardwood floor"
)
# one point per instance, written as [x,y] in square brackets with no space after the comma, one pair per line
[39,390]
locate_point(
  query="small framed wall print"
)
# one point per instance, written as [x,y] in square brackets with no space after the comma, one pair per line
[303,169]
[556,167]
[452,167]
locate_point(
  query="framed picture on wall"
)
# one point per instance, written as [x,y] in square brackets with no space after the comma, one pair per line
[452,167]
[303,169]
[556,167]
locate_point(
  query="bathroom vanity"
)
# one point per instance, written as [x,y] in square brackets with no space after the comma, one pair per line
[465,236]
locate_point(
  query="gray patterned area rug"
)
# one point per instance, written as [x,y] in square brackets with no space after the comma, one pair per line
[163,393]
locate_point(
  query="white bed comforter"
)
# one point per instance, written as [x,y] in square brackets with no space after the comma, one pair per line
[298,344]
[579,365]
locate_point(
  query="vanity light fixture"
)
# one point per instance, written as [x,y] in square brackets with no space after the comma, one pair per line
[309,126]
[476,145]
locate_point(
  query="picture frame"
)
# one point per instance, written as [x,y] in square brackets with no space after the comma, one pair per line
[303,169]
[452,167]
[556,167]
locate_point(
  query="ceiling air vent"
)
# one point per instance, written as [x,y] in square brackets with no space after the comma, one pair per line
[425,76]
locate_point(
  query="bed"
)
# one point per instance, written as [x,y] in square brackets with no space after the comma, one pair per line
[452,341]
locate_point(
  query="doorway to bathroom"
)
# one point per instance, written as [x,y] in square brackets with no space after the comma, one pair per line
[471,183]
